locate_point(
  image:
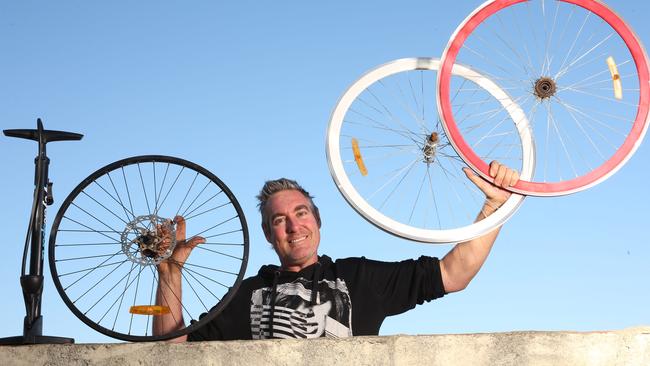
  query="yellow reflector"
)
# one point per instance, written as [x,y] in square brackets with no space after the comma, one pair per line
[149,310]
[616,78]
[358,158]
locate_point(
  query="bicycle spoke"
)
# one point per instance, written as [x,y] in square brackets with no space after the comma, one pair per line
[417,198]
[164,298]
[144,190]
[207,278]
[212,227]
[85,244]
[391,116]
[151,301]
[574,42]
[128,193]
[194,291]
[119,298]
[603,97]
[379,157]
[395,174]
[573,112]
[90,230]
[599,122]
[406,133]
[208,210]
[91,268]
[565,70]
[226,244]
[106,208]
[95,285]
[86,257]
[218,252]
[127,284]
[222,234]
[546,66]
[171,187]
[94,217]
[204,267]
[405,106]
[187,193]
[196,198]
[159,191]
[119,199]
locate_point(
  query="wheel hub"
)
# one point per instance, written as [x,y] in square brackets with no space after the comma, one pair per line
[545,87]
[430,147]
[148,239]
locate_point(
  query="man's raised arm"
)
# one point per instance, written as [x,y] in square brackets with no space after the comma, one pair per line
[169,292]
[461,264]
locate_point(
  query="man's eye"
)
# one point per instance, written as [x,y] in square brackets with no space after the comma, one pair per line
[278,220]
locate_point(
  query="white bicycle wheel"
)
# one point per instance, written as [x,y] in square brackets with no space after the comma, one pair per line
[390,157]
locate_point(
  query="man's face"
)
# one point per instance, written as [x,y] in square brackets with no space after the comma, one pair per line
[292,229]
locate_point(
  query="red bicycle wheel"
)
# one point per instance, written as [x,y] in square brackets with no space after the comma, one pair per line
[577,70]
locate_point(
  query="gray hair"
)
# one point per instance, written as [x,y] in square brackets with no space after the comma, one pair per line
[274,186]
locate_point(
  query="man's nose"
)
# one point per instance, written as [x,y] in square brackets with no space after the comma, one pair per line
[291,225]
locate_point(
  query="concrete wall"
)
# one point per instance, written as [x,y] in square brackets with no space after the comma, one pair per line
[626,347]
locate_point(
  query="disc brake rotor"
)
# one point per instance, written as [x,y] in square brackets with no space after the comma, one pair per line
[148,239]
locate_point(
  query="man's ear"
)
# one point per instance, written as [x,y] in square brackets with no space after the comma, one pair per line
[317,215]
[267,232]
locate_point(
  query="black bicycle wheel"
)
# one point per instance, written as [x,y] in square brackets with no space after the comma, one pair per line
[105,245]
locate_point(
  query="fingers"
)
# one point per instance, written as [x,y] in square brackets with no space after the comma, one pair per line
[496,193]
[498,172]
[514,178]
[194,241]
[504,177]
[479,182]
[180,227]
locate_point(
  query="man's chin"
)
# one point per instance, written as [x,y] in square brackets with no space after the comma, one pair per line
[303,261]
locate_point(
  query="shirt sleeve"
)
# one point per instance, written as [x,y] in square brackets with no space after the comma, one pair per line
[399,286]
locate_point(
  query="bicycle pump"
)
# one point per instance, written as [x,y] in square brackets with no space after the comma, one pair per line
[32,281]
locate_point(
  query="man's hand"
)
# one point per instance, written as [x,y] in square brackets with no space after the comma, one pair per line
[181,251]
[496,194]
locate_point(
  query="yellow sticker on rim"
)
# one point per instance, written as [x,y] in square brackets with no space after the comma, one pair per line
[358,158]
[616,78]
[149,310]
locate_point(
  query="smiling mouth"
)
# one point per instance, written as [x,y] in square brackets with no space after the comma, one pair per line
[297,240]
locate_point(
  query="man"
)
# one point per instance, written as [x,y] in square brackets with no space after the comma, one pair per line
[310,296]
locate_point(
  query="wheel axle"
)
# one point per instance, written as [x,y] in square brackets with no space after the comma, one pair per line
[545,87]
[430,146]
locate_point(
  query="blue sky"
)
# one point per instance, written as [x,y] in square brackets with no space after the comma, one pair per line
[245,89]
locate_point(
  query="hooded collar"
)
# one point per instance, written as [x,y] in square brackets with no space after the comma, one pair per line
[268,272]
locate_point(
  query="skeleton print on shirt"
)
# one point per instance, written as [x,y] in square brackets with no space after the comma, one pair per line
[295,317]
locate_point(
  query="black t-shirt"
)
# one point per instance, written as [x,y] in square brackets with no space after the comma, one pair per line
[351,296]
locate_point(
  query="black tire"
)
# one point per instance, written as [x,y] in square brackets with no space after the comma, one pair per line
[97,261]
